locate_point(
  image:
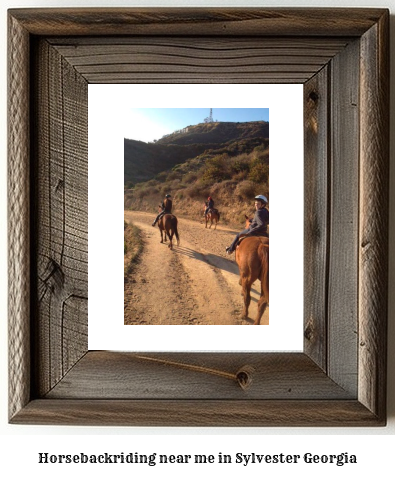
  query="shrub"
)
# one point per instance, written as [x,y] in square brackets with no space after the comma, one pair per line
[246,190]
[217,168]
[240,164]
[240,176]
[259,173]
[162,176]
[173,175]
[190,177]
[196,190]
[133,247]
[144,191]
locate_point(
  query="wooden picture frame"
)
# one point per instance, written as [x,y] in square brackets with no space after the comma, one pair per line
[342,58]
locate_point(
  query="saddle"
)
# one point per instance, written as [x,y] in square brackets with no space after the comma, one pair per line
[244,237]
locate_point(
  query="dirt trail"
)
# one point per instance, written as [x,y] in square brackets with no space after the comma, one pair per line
[195,283]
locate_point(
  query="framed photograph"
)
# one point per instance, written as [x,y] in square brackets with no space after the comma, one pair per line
[226,159]
[340,60]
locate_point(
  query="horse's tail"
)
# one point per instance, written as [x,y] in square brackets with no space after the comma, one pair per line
[219,215]
[174,223]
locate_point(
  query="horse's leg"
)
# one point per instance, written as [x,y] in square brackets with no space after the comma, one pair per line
[262,304]
[246,289]
[171,239]
[176,234]
[206,219]
[215,226]
[161,235]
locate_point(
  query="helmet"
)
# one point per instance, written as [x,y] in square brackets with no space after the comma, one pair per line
[167,196]
[209,198]
[261,198]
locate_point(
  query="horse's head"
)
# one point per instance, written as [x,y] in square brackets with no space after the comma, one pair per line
[248,221]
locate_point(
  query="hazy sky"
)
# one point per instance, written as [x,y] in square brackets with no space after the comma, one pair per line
[147,124]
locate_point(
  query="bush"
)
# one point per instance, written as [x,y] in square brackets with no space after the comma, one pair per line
[259,173]
[144,191]
[162,176]
[173,175]
[217,169]
[152,182]
[190,177]
[241,164]
[240,176]
[246,190]
[196,190]
[133,247]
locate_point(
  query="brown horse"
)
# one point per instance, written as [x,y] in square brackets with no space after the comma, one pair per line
[168,226]
[212,216]
[252,257]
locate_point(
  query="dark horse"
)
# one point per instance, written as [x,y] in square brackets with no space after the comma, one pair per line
[168,226]
[252,257]
[212,216]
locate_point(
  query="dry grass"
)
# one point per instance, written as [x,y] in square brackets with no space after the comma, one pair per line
[133,247]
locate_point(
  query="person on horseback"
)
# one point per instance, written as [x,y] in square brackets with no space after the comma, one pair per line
[209,205]
[258,225]
[166,207]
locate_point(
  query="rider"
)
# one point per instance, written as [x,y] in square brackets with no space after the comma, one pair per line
[209,205]
[258,225]
[166,208]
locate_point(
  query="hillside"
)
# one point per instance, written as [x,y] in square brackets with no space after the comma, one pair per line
[143,161]
[217,133]
[229,161]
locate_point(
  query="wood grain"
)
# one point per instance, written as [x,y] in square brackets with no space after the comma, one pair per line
[341,56]
[186,60]
[373,234]
[201,413]
[327,22]
[61,228]
[18,218]
[343,219]
[197,376]
[316,214]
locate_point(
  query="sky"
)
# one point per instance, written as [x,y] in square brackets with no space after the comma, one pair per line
[148,124]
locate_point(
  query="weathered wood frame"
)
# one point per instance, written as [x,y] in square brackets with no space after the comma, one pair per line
[342,58]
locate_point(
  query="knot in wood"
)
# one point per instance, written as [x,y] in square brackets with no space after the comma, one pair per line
[309,331]
[313,96]
[244,376]
[54,276]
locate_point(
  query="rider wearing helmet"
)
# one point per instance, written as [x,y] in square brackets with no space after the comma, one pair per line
[209,205]
[258,225]
[166,207]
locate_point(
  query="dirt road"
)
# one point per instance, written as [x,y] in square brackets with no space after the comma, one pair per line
[196,283]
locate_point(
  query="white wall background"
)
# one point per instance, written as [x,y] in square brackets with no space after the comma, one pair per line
[21,444]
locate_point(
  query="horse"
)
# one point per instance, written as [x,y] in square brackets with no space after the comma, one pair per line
[212,215]
[168,226]
[252,258]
